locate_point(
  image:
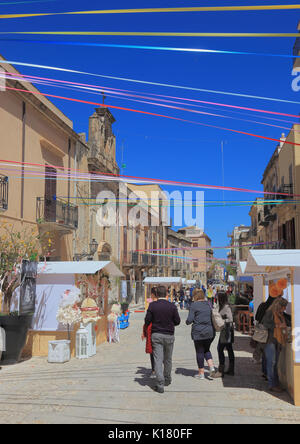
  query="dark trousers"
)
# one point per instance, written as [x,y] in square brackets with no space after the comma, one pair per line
[162,351]
[152,361]
[203,351]
[221,348]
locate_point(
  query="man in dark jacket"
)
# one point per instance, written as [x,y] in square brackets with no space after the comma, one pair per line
[164,317]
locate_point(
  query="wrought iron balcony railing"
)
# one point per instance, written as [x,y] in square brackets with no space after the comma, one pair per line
[55,210]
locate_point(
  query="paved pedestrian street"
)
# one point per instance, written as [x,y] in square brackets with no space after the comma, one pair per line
[114,388]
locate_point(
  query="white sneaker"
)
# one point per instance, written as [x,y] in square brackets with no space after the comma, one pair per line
[201,377]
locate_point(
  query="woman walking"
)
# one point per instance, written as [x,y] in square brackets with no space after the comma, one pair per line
[226,336]
[274,321]
[147,331]
[203,333]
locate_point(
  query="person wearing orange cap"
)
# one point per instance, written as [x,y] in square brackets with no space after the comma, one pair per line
[275,322]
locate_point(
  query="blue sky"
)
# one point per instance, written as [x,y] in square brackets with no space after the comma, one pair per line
[162,148]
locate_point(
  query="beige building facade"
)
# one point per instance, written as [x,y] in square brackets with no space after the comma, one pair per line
[38,142]
[201,252]
[277,221]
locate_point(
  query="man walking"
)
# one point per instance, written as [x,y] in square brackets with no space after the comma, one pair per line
[164,317]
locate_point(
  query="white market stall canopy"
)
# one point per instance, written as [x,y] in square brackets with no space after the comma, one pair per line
[163,280]
[78,267]
[259,260]
[191,282]
[53,279]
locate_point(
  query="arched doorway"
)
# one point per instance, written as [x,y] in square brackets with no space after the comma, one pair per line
[104,251]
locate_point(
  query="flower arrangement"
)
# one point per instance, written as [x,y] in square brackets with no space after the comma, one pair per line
[70,297]
[68,312]
[94,288]
[90,311]
[112,317]
[116,308]
[115,312]
[68,315]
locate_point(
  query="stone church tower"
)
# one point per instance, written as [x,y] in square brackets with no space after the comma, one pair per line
[102,159]
[102,141]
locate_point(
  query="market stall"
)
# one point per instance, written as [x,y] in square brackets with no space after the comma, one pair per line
[56,279]
[170,281]
[275,267]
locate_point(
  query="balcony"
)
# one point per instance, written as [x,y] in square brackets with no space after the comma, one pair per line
[177,266]
[133,258]
[286,189]
[268,215]
[3,192]
[62,215]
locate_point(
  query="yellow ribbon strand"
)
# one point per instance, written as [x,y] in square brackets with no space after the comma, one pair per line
[156,34]
[157,10]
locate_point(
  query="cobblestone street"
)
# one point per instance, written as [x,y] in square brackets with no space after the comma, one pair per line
[114,388]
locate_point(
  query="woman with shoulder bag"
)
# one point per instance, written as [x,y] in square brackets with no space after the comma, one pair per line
[203,333]
[274,320]
[226,336]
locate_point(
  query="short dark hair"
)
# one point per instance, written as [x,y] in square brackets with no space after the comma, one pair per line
[161,291]
[154,291]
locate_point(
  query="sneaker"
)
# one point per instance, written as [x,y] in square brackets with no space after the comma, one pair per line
[167,383]
[152,375]
[159,389]
[200,377]
[215,374]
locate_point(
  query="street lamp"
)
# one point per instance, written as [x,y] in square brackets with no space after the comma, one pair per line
[93,248]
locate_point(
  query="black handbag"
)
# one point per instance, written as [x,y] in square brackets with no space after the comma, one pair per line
[226,335]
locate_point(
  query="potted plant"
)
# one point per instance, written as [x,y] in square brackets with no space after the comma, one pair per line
[124,307]
[17,247]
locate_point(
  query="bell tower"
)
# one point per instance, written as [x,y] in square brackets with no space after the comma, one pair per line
[102,141]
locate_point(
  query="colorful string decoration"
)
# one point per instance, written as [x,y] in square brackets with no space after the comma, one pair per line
[168,85]
[160,10]
[152,114]
[155,34]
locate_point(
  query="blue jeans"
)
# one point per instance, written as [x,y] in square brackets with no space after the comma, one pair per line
[272,358]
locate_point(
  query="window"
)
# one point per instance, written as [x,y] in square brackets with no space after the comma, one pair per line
[3,192]
[291,174]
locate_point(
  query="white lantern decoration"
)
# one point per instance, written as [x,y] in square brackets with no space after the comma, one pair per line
[82,343]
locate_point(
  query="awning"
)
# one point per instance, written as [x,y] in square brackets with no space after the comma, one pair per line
[78,267]
[163,280]
[275,258]
[241,267]
[259,260]
[245,279]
